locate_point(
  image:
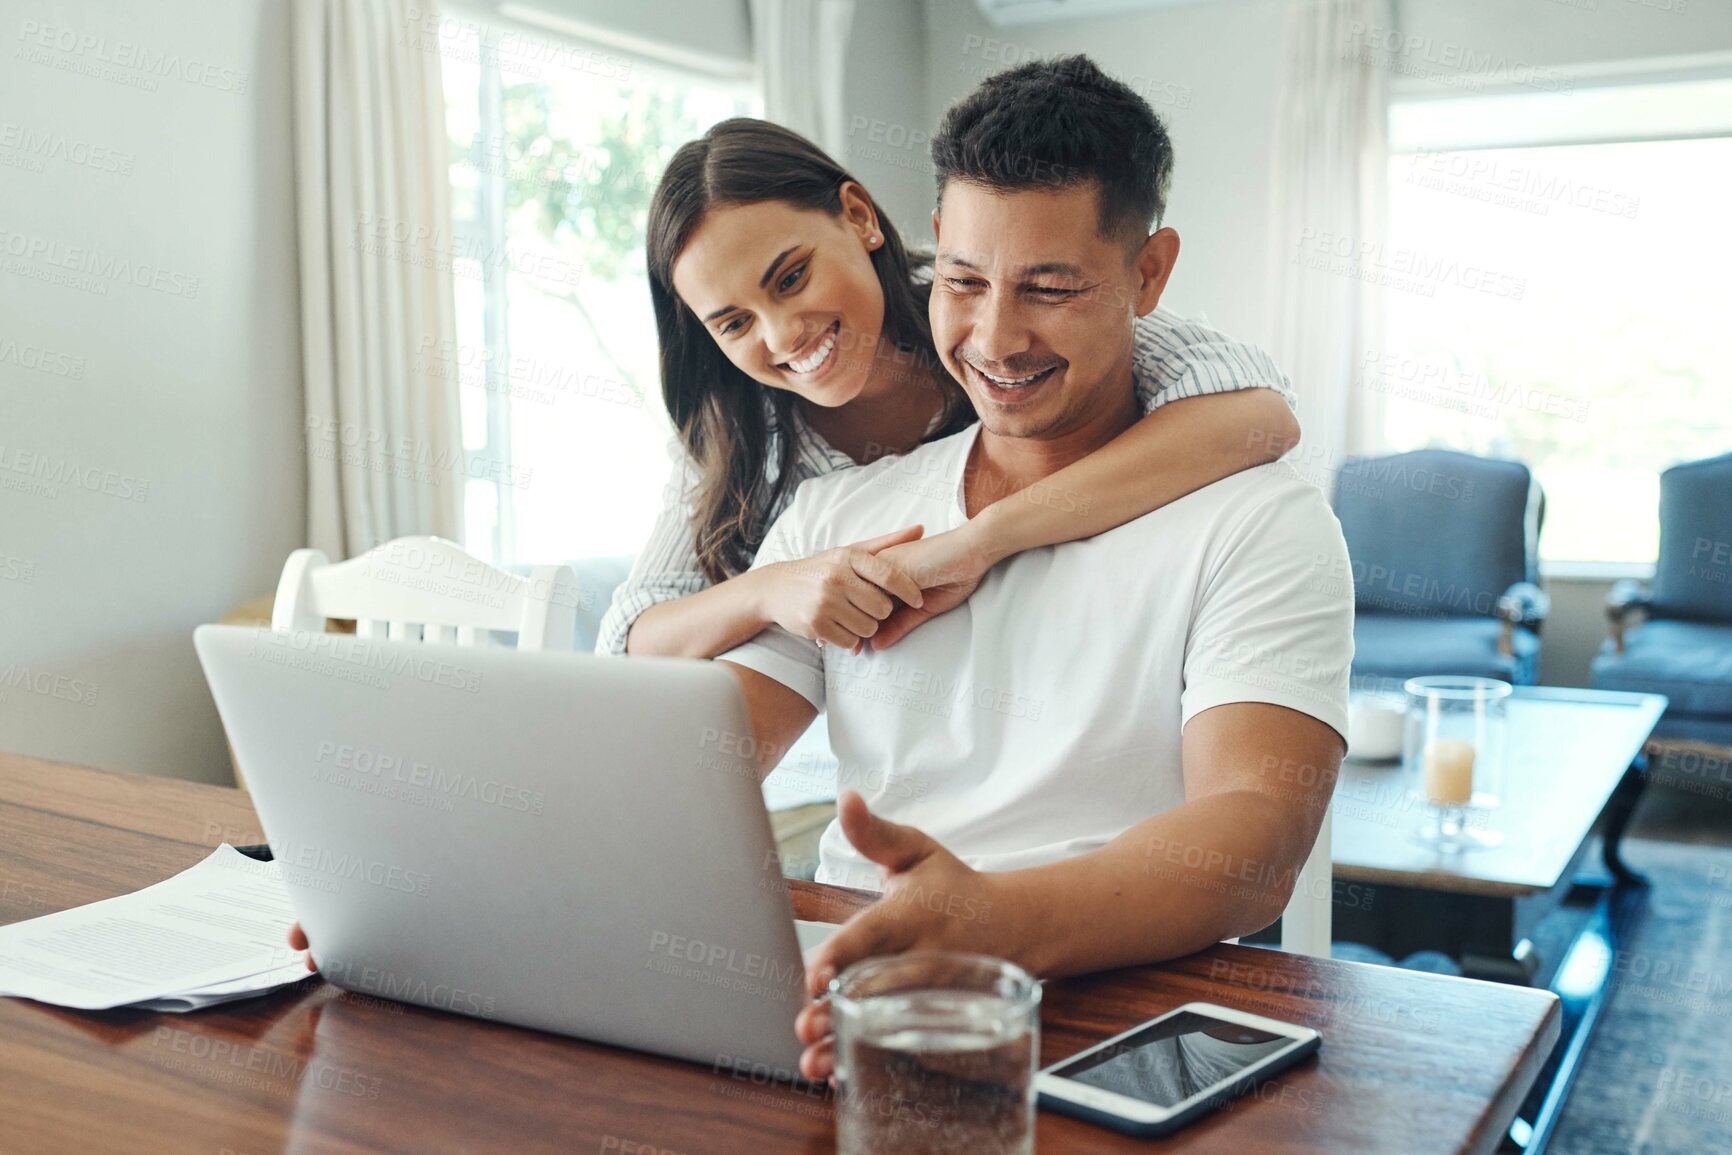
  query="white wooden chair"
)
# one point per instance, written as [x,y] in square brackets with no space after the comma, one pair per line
[1306,924]
[427,589]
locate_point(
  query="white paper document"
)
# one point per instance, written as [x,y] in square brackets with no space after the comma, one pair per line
[214,932]
[228,992]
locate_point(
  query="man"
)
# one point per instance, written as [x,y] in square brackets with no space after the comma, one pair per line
[1117,750]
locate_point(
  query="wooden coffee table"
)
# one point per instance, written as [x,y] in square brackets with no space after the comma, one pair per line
[1575,767]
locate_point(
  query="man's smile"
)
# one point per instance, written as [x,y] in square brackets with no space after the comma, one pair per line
[1008,389]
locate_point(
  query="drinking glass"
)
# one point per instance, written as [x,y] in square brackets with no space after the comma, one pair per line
[1453,754]
[935,1052]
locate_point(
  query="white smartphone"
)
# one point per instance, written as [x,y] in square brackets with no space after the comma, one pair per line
[1159,1076]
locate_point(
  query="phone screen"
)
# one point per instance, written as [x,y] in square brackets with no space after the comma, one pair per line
[1169,1061]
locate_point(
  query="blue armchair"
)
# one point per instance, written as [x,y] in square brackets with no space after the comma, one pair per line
[1684,648]
[1445,554]
[596,579]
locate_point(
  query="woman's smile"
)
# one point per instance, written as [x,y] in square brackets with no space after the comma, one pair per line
[818,357]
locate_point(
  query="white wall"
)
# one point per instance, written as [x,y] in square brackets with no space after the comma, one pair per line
[721,29]
[1573,39]
[1575,631]
[889,117]
[187,399]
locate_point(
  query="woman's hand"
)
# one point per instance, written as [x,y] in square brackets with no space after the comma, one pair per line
[947,567]
[841,595]
[298,940]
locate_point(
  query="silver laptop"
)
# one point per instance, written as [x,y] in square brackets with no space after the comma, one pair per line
[561,841]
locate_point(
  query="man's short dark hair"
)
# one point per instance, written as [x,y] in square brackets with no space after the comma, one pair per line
[1057,124]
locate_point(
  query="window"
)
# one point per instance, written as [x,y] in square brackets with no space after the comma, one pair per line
[555,151]
[1561,297]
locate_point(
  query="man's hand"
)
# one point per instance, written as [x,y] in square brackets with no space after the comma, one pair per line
[947,566]
[931,901]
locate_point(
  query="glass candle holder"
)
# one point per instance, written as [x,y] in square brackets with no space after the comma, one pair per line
[1453,752]
[935,1053]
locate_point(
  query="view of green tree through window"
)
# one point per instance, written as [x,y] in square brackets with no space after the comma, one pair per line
[552,170]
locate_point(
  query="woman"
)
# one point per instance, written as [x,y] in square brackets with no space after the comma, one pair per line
[829,363]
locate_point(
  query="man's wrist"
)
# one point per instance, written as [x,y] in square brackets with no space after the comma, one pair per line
[1026,933]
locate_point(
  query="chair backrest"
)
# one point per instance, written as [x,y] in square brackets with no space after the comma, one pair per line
[427,589]
[1438,533]
[1693,578]
[1308,921]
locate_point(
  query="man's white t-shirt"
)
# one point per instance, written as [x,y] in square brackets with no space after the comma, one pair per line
[1042,717]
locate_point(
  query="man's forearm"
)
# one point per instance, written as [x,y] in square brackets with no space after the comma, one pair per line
[1215,868]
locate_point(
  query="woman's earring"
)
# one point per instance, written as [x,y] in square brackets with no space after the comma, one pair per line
[873,240]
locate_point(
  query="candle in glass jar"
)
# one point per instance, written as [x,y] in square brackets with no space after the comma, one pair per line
[1449,771]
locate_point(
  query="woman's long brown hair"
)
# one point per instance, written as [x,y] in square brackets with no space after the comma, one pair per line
[730,423]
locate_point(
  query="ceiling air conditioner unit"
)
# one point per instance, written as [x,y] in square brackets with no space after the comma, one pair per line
[1002,12]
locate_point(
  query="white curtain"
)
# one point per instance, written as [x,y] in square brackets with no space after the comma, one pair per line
[384,442]
[1327,193]
[800,47]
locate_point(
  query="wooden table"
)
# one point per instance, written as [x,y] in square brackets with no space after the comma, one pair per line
[1574,766]
[1410,1063]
